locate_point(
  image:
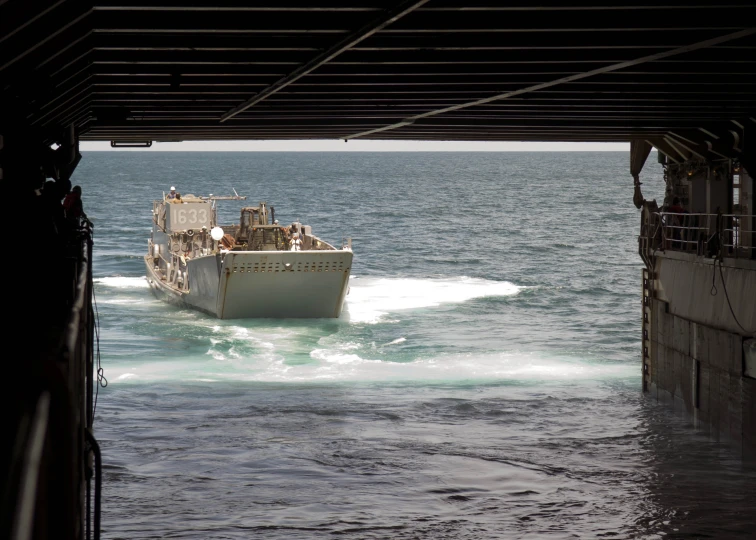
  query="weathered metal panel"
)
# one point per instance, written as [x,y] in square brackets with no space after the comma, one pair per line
[735,407]
[686,377]
[714,397]
[749,412]
[749,353]
[680,374]
[724,350]
[654,326]
[684,278]
[661,367]
[704,404]
[718,348]
[700,347]
[681,335]
[723,410]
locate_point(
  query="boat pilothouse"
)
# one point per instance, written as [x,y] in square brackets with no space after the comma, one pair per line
[181,231]
[256,268]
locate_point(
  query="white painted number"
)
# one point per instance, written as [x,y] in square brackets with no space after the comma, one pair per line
[195,217]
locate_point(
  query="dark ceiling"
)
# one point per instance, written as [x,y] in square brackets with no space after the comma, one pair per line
[381,69]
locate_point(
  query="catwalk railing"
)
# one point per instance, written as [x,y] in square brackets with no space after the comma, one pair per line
[706,235]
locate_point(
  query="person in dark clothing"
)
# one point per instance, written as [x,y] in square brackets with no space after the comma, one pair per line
[677,223]
[72,204]
[676,207]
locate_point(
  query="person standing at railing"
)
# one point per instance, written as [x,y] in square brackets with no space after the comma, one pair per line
[296,243]
[72,204]
[676,207]
[677,222]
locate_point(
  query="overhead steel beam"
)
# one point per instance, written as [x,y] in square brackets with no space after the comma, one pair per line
[355,59]
[721,140]
[665,148]
[698,147]
[478,41]
[683,151]
[119,5]
[25,43]
[366,31]
[578,76]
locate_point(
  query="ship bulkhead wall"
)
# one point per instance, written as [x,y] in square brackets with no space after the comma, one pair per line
[700,359]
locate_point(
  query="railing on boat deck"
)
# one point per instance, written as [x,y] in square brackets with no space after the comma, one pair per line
[705,234]
[48,487]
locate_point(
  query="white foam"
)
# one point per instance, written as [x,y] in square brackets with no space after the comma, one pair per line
[120,282]
[259,350]
[245,350]
[130,301]
[338,364]
[371,299]
[335,357]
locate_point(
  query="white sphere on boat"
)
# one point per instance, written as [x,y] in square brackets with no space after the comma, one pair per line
[216,233]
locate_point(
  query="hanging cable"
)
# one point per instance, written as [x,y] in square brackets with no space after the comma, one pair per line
[718,259]
[724,288]
[101,380]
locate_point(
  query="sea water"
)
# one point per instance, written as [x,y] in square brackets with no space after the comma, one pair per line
[482,382]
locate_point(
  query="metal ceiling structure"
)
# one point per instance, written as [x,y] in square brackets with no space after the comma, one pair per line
[590,70]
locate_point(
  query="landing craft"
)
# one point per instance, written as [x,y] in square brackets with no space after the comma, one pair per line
[253,269]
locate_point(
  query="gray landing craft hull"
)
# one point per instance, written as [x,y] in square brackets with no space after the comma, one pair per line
[251,284]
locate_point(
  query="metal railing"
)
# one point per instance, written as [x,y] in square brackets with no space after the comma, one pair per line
[708,235]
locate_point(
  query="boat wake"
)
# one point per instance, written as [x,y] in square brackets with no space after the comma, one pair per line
[370,300]
[344,350]
[120,282]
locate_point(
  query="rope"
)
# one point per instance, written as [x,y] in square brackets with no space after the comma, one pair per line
[724,288]
[718,259]
[101,380]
